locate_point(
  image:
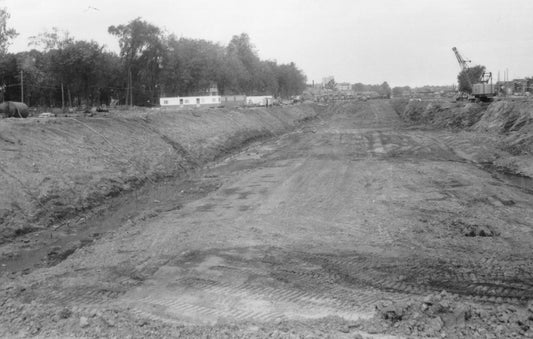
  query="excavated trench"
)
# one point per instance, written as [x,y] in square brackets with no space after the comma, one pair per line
[152,198]
[136,197]
[325,222]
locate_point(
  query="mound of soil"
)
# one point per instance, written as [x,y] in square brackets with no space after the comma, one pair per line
[509,123]
[442,114]
[443,315]
[514,119]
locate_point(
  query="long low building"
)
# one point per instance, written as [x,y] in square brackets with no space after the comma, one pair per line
[234,100]
[212,100]
[216,100]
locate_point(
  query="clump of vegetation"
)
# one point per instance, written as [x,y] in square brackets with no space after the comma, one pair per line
[468,77]
[150,64]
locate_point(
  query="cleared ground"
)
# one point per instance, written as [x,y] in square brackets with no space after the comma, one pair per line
[327,221]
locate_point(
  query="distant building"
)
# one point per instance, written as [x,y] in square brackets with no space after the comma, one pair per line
[197,101]
[233,100]
[344,86]
[207,96]
[515,87]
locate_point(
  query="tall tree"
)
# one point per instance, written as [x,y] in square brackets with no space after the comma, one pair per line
[142,49]
[6,33]
[241,51]
[401,91]
[468,77]
[54,39]
[191,66]
[385,90]
[291,80]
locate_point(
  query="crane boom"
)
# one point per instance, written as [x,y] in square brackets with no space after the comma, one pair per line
[463,63]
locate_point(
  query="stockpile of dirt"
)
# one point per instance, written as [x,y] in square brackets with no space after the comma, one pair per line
[512,119]
[509,123]
[443,315]
[51,169]
[442,114]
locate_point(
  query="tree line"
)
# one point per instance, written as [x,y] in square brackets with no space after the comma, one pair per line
[151,64]
[383,90]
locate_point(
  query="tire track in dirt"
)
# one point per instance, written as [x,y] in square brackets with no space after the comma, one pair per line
[272,303]
[395,276]
[278,286]
[88,295]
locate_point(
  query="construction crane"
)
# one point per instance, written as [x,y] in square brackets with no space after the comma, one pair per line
[483,90]
[463,63]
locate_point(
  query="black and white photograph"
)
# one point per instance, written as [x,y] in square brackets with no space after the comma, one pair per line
[266,169]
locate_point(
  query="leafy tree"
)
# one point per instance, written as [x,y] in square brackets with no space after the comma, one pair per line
[54,39]
[191,66]
[468,77]
[82,72]
[36,80]
[141,48]
[400,91]
[9,76]
[78,66]
[245,62]
[385,90]
[6,34]
[359,87]
[291,80]
[268,82]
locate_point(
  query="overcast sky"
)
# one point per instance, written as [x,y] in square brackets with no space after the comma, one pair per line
[404,42]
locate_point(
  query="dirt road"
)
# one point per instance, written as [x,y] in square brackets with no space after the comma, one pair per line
[304,233]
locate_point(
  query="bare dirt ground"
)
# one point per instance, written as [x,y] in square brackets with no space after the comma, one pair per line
[355,225]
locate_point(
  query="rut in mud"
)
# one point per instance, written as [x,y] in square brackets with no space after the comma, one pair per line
[351,210]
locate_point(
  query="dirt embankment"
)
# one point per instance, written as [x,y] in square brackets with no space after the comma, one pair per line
[507,124]
[52,169]
[444,315]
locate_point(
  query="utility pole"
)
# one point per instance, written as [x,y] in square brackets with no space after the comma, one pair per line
[62,98]
[131,90]
[21,86]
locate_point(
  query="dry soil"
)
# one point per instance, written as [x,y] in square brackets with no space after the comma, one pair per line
[355,225]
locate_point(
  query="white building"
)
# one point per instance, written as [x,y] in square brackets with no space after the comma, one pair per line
[344,86]
[190,101]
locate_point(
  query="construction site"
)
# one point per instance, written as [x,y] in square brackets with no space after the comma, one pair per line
[186,188]
[382,218]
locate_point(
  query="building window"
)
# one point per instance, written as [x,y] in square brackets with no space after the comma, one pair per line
[165,102]
[197,101]
[186,101]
